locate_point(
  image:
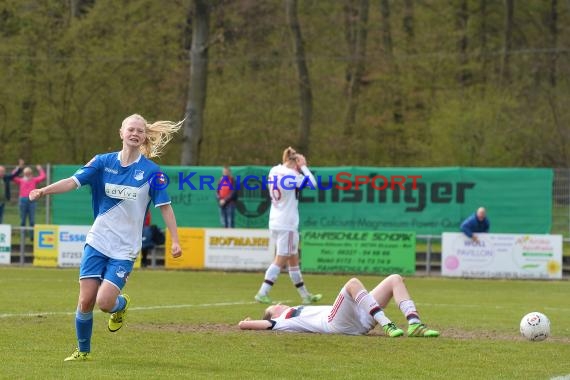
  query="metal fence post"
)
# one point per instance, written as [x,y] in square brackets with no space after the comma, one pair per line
[47,199]
[153,258]
[428,256]
[22,245]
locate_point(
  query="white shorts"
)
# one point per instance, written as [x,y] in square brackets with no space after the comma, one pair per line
[347,318]
[286,242]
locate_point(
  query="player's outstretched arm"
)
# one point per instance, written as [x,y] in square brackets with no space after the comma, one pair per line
[62,186]
[248,324]
[170,220]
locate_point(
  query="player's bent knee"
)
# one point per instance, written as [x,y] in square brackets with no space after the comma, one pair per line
[396,278]
[106,305]
[353,283]
[85,305]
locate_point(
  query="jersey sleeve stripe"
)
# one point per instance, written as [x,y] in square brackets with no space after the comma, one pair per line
[74,178]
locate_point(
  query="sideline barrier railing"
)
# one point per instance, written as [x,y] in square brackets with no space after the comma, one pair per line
[428,239]
[25,250]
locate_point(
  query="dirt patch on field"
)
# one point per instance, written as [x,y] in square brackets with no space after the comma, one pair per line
[455,333]
[452,333]
[185,328]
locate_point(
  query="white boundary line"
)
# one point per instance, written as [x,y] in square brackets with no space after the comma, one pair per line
[487,306]
[140,308]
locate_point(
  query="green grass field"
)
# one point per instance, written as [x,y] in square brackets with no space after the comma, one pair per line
[183,325]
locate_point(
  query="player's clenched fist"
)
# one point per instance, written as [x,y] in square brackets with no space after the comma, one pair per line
[36,194]
[176,250]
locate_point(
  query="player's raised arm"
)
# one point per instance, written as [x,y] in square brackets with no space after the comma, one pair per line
[248,324]
[302,166]
[61,186]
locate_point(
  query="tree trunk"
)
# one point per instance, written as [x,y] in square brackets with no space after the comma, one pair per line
[408,24]
[28,106]
[397,112]
[194,122]
[78,7]
[462,43]
[305,93]
[553,41]
[386,28]
[75,8]
[350,17]
[483,39]
[358,68]
[27,120]
[508,39]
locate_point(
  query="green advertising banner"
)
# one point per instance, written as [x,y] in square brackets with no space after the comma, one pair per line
[517,200]
[424,200]
[371,252]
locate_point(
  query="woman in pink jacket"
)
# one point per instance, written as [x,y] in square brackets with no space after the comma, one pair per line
[27,183]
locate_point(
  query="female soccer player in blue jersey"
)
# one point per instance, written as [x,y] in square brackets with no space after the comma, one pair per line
[123,184]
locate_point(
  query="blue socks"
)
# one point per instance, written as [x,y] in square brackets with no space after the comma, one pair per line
[120,304]
[84,329]
[84,324]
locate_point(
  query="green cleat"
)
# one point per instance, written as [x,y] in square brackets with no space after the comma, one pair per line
[421,330]
[78,356]
[392,330]
[312,298]
[263,299]
[117,319]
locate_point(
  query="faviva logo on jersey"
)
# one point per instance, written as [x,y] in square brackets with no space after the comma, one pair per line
[128,193]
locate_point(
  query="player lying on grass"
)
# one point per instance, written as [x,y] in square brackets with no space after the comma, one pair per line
[355,312]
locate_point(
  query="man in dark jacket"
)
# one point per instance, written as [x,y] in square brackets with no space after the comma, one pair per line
[5,186]
[476,223]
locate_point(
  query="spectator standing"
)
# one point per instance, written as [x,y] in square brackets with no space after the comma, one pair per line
[5,186]
[476,223]
[27,183]
[226,195]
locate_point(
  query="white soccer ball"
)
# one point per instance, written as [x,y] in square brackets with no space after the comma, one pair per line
[535,326]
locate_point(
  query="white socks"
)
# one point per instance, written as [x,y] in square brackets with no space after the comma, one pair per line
[297,279]
[367,303]
[270,277]
[408,308]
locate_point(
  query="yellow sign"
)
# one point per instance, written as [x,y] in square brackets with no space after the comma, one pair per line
[45,245]
[192,244]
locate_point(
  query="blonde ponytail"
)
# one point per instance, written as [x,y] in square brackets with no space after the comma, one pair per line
[289,154]
[158,134]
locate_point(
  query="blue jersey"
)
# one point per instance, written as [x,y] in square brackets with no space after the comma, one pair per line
[120,197]
[473,225]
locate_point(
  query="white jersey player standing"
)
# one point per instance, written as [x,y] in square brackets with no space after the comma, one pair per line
[285,181]
[122,185]
[355,312]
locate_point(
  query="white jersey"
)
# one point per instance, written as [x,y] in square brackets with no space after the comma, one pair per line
[120,197]
[313,319]
[343,317]
[284,191]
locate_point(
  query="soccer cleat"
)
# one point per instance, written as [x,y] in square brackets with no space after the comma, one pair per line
[312,298]
[78,356]
[421,330]
[117,319]
[392,330]
[263,299]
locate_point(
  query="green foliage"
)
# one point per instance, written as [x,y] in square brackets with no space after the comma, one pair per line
[66,83]
[172,333]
